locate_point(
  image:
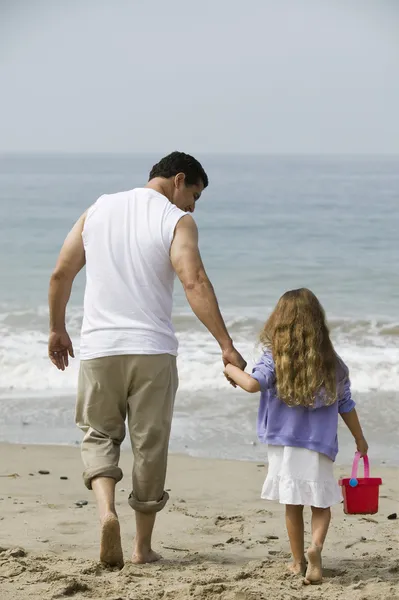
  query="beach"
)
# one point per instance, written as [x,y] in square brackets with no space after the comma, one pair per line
[218,539]
[266,224]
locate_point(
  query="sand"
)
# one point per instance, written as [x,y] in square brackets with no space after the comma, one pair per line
[218,539]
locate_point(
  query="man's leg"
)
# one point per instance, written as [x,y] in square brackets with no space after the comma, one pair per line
[150,411]
[143,552]
[111,552]
[100,413]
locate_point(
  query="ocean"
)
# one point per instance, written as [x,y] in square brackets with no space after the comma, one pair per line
[267,224]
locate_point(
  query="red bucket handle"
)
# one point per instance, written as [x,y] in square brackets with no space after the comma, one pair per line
[355,465]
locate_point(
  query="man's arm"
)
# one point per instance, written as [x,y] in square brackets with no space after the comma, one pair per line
[70,261]
[187,263]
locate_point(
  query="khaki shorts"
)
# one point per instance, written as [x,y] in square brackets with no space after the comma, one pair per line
[141,389]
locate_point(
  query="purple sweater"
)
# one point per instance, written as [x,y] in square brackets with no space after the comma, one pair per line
[312,428]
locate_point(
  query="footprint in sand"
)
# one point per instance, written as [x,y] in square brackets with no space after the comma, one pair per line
[233,524]
[71,527]
[70,588]
[186,513]
[222,520]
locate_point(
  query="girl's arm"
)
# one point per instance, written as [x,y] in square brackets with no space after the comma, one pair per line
[347,410]
[352,422]
[242,379]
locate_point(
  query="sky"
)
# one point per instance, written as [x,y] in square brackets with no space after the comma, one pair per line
[253,76]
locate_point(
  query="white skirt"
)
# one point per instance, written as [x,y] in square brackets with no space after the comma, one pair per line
[300,476]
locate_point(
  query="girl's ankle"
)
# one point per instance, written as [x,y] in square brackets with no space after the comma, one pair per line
[298,567]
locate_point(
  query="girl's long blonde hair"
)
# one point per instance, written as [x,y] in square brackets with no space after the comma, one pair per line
[304,357]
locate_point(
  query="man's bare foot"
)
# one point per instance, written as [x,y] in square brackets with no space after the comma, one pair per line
[297,568]
[110,545]
[140,557]
[314,572]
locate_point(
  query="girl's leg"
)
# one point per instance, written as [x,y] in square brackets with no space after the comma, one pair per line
[295,528]
[321,518]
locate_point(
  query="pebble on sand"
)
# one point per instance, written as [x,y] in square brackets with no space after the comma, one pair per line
[17,552]
[393,516]
[43,472]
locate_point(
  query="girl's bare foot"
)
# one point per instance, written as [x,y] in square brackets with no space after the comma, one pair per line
[297,568]
[314,572]
[110,544]
[140,556]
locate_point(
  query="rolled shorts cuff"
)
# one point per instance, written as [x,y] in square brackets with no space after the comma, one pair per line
[107,471]
[149,507]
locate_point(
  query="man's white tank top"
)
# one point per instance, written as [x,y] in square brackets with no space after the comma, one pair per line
[129,275]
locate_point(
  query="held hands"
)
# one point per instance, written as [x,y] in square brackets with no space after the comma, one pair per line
[228,373]
[229,379]
[59,349]
[362,446]
[233,357]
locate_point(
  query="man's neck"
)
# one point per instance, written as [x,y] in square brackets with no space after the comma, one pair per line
[160,185]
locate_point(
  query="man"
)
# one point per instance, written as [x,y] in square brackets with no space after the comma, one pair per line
[132,244]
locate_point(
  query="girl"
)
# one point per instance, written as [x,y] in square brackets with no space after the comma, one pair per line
[304,385]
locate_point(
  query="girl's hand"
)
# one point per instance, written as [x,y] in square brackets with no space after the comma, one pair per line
[238,378]
[229,379]
[362,446]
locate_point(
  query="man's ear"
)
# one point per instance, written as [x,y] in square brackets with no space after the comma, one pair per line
[179,180]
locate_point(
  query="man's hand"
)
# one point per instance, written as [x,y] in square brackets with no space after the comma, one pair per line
[59,348]
[233,357]
[362,446]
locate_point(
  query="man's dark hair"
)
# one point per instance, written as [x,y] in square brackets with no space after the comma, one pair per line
[179,162]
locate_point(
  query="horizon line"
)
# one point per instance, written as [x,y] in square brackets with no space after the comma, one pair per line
[207,152]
